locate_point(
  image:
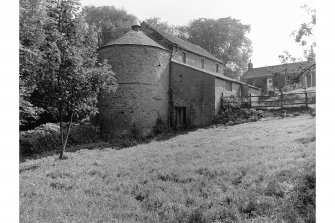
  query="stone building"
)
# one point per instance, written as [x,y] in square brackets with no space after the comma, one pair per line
[300,74]
[161,76]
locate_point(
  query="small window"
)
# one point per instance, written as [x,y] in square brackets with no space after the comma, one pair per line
[184,57]
[217,68]
[180,78]
[202,63]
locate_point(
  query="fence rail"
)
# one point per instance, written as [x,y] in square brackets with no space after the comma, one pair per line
[283,100]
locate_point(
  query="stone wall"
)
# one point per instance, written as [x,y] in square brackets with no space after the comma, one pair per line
[225,88]
[194,90]
[142,73]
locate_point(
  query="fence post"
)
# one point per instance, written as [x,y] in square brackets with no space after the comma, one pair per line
[250,100]
[306,99]
[281,99]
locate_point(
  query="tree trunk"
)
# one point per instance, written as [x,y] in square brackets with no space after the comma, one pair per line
[61,129]
[66,138]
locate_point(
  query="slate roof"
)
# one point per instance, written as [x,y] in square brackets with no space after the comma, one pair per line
[269,70]
[221,76]
[134,38]
[183,44]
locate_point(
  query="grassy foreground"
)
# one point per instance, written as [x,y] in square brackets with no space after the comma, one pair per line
[252,172]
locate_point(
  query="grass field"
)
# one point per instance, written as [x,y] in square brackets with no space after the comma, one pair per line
[252,172]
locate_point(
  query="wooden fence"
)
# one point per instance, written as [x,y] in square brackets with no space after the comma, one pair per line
[283,100]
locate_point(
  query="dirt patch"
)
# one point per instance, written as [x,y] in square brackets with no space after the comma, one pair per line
[306,140]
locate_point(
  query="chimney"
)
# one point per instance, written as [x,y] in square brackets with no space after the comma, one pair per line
[250,65]
[135,24]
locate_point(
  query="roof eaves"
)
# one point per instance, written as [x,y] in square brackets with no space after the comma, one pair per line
[207,72]
[111,45]
[218,61]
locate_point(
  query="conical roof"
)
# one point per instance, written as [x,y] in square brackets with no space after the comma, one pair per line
[134,38]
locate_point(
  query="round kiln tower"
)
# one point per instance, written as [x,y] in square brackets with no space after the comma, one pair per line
[142,71]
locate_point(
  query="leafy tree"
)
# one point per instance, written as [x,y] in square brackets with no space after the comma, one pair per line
[107,22]
[164,26]
[68,76]
[305,32]
[31,20]
[305,37]
[225,38]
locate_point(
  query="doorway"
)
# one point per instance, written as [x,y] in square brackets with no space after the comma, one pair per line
[180,117]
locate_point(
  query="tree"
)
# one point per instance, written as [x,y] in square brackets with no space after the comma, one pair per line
[68,77]
[225,38]
[163,26]
[31,20]
[107,22]
[304,36]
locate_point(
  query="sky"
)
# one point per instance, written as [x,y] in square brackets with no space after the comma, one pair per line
[271,21]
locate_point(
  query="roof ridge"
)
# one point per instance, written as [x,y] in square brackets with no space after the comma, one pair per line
[169,36]
[266,70]
[281,64]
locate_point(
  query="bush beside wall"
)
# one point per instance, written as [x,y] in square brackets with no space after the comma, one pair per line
[46,138]
[233,111]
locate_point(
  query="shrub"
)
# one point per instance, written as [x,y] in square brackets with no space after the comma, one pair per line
[39,140]
[82,134]
[160,127]
[46,138]
[135,132]
[232,112]
[122,142]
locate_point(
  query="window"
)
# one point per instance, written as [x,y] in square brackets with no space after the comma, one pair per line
[217,68]
[202,63]
[180,78]
[184,57]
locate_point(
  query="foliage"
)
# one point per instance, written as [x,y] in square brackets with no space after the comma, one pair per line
[163,25]
[160,127]
[28,112]
[107,22]
[233,111]
[307,28]
[225,38]
[31,21]
[63,68]
[43,139]
[135,132]
[305,37]
[46,138]
[123,142]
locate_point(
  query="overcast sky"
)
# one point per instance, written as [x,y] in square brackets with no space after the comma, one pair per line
[272,21]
